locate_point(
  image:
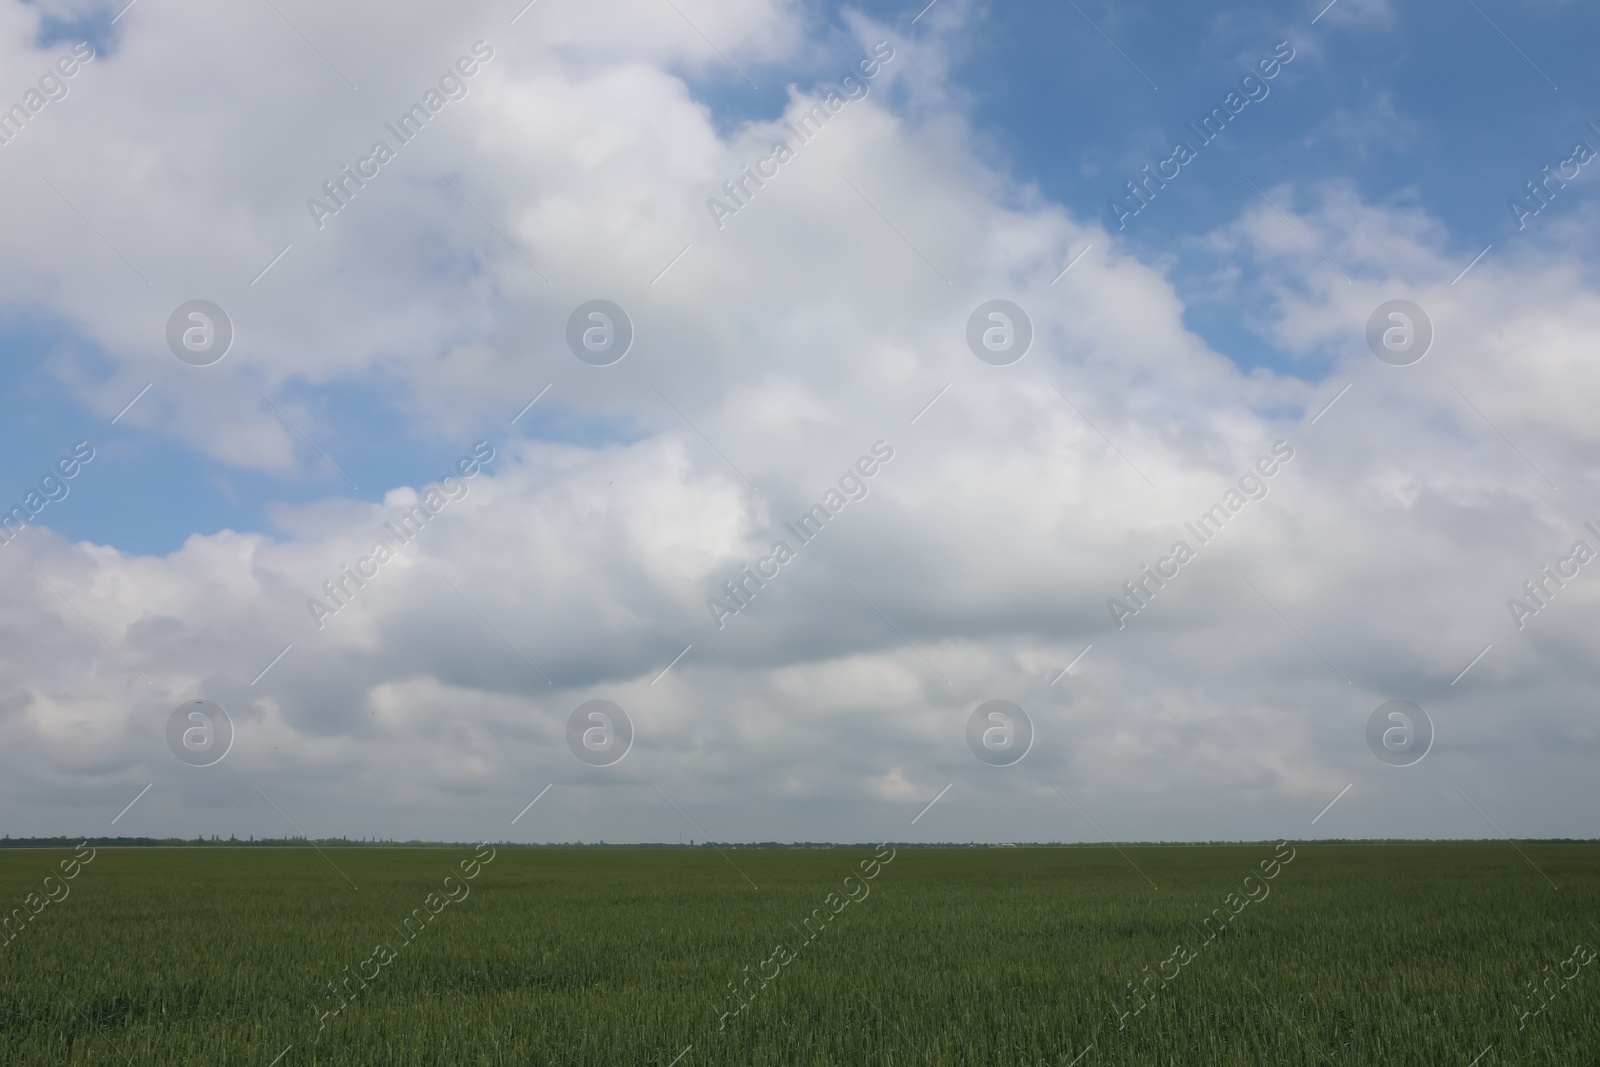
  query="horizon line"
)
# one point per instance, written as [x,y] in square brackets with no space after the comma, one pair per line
[53,842]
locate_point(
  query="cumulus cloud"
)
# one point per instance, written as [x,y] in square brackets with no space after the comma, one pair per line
[769,355]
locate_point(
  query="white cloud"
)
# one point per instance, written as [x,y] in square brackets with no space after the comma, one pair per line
[819,320]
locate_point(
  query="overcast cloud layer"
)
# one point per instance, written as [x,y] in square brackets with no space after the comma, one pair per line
[774,348]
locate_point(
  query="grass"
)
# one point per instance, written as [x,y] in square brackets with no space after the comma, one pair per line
[1361,954]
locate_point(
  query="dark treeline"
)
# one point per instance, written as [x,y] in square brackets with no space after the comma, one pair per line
[345,842]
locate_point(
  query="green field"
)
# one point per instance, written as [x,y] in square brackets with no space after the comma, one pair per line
[1372,954]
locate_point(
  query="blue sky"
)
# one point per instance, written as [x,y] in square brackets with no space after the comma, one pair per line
[1422,105]
[1227,317]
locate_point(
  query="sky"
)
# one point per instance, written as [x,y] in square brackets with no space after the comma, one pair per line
[1246,466]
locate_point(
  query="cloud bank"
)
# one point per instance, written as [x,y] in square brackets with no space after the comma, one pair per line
[771,348]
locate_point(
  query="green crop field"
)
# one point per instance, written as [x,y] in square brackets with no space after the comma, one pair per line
[1241,954]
